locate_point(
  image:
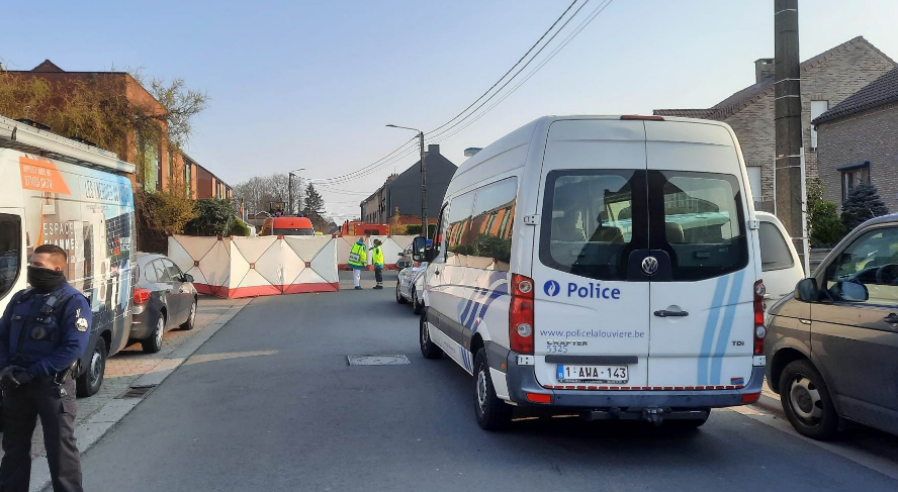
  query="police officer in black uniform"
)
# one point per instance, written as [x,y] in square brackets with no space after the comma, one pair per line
[43,333]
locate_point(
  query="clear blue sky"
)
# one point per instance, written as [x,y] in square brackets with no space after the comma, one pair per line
[312,84]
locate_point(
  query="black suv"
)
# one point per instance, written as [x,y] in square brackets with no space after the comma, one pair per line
[832,348]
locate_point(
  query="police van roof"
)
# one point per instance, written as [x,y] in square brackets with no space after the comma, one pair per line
[26,138]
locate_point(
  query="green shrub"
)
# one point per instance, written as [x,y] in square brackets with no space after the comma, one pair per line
[213,218]
[825,226]
[863,203]
[239,228]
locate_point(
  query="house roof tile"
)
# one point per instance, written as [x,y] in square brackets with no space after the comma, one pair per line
[744,97]
[880,92]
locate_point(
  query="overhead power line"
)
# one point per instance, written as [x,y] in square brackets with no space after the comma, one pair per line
[592,15]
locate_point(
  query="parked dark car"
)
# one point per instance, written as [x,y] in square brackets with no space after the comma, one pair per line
[832,347]
[164,298]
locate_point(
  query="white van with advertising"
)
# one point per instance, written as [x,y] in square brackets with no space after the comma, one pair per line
[57,191]
[602,265]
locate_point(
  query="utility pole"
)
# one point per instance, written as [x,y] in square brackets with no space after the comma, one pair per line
[424,231]
[290,193]
[424,225]
[787,159]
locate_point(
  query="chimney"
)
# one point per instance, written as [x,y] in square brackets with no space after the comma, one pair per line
[764,69]
[433,149]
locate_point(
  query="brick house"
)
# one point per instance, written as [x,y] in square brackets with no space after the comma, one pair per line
[826,80]
[162,166]
[401,194]
[858,142]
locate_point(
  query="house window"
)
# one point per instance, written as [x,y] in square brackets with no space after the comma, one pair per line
[754,179]
[187,182]
[853,175]
[817,108]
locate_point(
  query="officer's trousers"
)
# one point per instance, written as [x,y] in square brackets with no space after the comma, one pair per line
[56,406]
[356,277]
[379,276]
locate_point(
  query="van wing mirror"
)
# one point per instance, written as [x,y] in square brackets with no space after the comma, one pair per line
[806,290]
[850,291]
[419,248]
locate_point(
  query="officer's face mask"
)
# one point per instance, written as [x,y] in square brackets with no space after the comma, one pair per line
[44,279]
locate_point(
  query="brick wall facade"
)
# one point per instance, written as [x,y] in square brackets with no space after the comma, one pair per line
[869,136]
[832,78]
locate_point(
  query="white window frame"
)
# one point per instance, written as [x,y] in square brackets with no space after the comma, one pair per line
[817,108]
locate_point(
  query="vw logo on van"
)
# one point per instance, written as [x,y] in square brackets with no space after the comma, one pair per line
[650,265]
[551,288]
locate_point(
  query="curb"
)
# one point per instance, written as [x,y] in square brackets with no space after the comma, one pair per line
[93,429]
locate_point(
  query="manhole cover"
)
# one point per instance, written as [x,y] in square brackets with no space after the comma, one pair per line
[377,360]
[137,391]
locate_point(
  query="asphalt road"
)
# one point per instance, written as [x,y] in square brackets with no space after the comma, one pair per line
[270,403]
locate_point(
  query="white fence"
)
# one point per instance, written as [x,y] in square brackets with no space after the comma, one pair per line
[258,266]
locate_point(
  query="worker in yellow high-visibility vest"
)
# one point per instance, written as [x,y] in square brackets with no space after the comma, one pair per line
[377,259]
[358,261]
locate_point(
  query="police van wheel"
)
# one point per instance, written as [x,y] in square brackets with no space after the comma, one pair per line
[416,303]
[492,413]
[428,349]
[90,381]
[154,343]
[399,298]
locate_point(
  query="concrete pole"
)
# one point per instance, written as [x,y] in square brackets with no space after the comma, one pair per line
[424,228]
[788,120]
[290,193]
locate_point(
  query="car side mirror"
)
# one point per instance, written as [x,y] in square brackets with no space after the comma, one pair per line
[187,278]
[850,292]
[806,290]
[419,248]
[401,254]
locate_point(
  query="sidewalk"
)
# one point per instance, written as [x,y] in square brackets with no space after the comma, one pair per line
[125,368]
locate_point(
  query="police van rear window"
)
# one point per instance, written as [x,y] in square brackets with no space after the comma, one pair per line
[597,219]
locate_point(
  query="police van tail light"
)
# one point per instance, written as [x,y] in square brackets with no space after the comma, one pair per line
[759,328]
[520,315]
[141,296]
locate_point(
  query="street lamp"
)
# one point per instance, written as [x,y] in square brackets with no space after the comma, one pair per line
[290,187]
[423,178]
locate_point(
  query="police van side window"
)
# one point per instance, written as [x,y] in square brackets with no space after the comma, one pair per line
[704,225]
[592,221]
[10,252]
[438,239]
[492,220]
[459,222]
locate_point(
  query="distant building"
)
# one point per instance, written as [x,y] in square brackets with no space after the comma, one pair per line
[162,167]
[401,193]
[858,142]
[826,80]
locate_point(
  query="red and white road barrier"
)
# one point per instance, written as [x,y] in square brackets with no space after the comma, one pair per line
[257,266]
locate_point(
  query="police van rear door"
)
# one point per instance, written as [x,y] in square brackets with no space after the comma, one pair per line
[591,320]
[701,294]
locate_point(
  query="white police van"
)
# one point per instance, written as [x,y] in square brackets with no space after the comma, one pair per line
[605,265]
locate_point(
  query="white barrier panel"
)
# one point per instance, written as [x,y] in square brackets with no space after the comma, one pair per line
[258,266]
[391,245]
[207,259]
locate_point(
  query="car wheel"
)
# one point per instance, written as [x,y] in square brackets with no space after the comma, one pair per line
[428,349]
[399,298]
[492,413]
[416,303]
[90,381]
[807,402]
[154,343]
[191,318]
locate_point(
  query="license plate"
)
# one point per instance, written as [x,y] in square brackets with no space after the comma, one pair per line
[592,374]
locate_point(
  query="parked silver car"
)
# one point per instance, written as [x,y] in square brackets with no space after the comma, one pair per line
[832,350]
[411,280]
